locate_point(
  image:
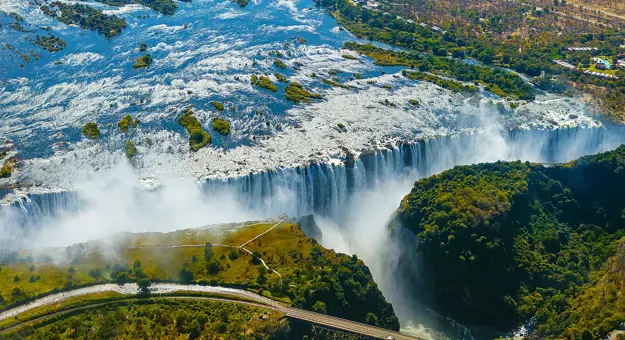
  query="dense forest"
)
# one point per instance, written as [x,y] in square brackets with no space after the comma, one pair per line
[519,241]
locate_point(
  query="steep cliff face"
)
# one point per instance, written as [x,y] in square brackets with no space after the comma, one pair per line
[502,242]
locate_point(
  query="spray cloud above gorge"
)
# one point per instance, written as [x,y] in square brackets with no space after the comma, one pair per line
[351,134]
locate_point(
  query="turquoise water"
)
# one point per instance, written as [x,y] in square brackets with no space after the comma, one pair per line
[198,52]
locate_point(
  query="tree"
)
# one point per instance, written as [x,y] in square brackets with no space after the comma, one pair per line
[136,265]
[95,273]
[122,278]
[186,276]
[261,279]
[233,255]
[16,293]
[32,268]
[320,307]
[208,251]
[213,267]
[144,285]
[255,258]
[371,319]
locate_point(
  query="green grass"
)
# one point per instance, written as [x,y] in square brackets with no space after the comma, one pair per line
[198,138]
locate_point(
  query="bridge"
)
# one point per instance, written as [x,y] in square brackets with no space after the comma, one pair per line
[221,294]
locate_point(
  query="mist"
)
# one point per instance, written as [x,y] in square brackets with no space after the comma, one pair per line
[113,202]
[353,218]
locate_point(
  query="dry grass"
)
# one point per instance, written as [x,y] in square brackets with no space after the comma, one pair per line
[160,261]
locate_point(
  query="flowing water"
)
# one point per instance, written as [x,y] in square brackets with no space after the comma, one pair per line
[280,157]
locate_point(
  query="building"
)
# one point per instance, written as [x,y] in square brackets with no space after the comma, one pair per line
[582,49]
[620,63]
[602,64]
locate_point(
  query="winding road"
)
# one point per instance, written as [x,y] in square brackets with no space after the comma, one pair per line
[251,299]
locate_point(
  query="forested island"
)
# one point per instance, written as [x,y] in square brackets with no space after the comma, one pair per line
[85,17]
[502,243]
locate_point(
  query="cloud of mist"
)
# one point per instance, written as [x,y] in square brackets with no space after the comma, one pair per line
[112,202]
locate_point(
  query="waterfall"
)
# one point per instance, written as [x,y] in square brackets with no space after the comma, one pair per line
[325,189]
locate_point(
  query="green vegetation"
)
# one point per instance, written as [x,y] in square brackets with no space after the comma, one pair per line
[350,57]
[310,273]
[86,17]
[131,150]
[444,83]
[144,61]
[517,36]
[167,7]
[125,123]
[264,82]
[198,138]
[335,83]
[241,3]
[521,241]
[279,63]
[414,102]
[281,77]
[91,130]
[158,318]
[296,93]
[500,82]
[218,105]
[222,126]
[7,168]
[50,43]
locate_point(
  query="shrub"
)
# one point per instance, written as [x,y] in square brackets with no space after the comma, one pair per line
[222,126]
[91,130]
[296,93]
[198,138]
[144,61]
[131,150]
[279,63]
[218,105]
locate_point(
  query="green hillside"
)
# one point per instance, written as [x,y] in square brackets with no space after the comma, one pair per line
[309,276]
[505,242]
